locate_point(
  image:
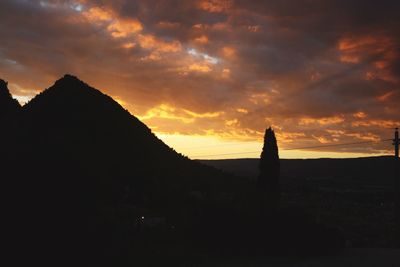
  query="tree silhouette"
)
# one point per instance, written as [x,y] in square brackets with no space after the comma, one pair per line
[268,179]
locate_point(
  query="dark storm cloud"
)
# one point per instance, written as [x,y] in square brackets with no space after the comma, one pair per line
[219,66]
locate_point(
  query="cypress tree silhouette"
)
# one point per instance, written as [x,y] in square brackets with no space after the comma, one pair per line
[268,179]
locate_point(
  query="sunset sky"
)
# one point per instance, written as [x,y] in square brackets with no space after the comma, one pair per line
[209,76]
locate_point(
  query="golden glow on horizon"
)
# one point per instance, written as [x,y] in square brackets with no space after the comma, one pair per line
[212,147]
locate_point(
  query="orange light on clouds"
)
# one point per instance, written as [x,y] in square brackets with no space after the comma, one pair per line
[202,39]
[226,73]
[129,45]
[389,124]
[229,52]
[322,121]
[96,14]
[349,59]
[385,96]
[360,115]
[122,28]
[151,42]
[215,6]
[200,68]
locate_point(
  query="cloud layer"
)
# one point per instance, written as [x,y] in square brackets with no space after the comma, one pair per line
[319,72]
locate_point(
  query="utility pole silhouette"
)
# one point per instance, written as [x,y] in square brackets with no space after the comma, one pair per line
[396,175]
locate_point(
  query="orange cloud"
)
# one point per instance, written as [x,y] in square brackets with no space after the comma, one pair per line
[242,110]
[379,123]
[349,58]
[385,96]
[365,137]
[96,14]
[321,121]
[129,45]
[151,42]
[336,133]
[381,49]
[352,44]
[233,122]
[226,73]
[215,6]
[259,98]
[122,28]
[165,111]
[289,137]
[199,68]
[254,28]
[203,115]
[117,27]
[202,39]
[321,139]
[360,115]
[229,52]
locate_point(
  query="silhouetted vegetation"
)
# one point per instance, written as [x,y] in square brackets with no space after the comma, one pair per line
[92,182]
[268,179]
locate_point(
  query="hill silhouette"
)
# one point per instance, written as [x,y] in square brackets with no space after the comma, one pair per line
[74,123]
[81,175]
[9,111]
[76,158]
[8,105]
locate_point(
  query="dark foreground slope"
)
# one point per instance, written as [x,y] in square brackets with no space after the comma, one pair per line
[8,105]
[76,162]
[356,195]
[9,110]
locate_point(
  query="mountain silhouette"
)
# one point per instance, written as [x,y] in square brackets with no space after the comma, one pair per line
[8,105]
[73,136]
[79,174]
[9,112]
[76,156]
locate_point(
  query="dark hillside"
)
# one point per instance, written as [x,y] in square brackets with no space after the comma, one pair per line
[8,105]
[10,110]
[78,161]
[85,178]
[73,128]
